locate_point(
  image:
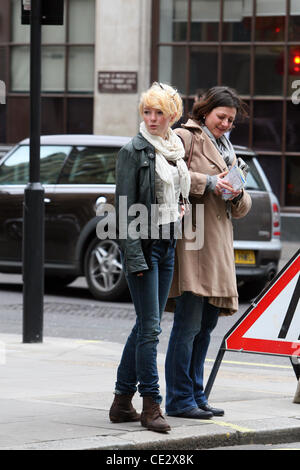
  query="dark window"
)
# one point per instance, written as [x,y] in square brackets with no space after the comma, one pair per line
[3,56]
[270,20]
[236,68]
[169,72]
[173,21]
[4,29]
[80,116]
[244,44]
[269,70]
[293,127]
[295,28]
[2,123]
[237,20]
[271,165]
[240,133]
[267,125]
[67,71]
[52,116]
[292,190]
[18,118]
[205,20]
[294,21]
[179,31]
[270,28]
[199,56]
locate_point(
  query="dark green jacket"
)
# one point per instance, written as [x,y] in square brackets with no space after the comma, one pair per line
[135,178]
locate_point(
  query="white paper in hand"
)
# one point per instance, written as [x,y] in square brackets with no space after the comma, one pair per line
[237,180]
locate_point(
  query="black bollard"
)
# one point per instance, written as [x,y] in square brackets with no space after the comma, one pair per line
[33,210]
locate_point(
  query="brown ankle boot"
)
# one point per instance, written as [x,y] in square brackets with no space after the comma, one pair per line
[152,418]
[122,411]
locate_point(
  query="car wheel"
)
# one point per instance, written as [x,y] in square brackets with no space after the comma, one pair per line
[103,270]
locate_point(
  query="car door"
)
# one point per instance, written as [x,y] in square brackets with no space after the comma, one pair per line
[14,175]
[257,224]
[88,174]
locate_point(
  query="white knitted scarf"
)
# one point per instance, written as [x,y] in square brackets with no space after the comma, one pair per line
[170,149]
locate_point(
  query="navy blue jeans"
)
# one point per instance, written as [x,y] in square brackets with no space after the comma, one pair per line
[194,320]
[138,366]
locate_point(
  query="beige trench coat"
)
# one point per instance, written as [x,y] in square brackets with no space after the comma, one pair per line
[209,271]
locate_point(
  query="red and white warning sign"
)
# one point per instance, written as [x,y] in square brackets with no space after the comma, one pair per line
[272,324]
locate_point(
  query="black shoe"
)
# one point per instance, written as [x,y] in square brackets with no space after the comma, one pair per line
[195,413]
[214,411]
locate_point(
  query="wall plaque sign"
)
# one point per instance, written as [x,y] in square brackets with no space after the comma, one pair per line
[117,82]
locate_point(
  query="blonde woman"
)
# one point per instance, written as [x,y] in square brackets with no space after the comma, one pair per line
[150,171]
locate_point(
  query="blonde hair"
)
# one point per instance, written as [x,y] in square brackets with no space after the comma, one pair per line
[164,97]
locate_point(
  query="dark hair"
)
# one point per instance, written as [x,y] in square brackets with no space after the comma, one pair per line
[200,92]
[215,97]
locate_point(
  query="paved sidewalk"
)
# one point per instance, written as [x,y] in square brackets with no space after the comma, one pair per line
[56,395]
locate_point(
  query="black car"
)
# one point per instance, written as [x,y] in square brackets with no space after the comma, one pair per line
[78,175]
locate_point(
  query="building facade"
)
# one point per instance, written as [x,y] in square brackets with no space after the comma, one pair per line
[95,66]
[252,46]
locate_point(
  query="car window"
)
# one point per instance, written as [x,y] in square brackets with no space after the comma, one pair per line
[90,165]
[254,180]
[15,168]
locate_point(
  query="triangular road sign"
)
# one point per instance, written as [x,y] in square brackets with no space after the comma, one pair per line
[272,323]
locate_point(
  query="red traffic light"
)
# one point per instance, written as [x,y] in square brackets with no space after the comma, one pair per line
[295,63]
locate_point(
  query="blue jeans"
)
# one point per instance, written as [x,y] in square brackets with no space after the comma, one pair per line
[149,294]
[194,320]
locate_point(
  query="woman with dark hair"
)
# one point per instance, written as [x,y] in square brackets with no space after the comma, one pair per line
[204,283]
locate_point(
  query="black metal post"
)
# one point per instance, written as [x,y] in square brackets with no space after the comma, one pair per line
[33,210]
[295,361]
[214,371]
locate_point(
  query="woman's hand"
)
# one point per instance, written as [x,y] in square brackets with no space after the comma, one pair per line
[182,211]
[235,194]
[222,186]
